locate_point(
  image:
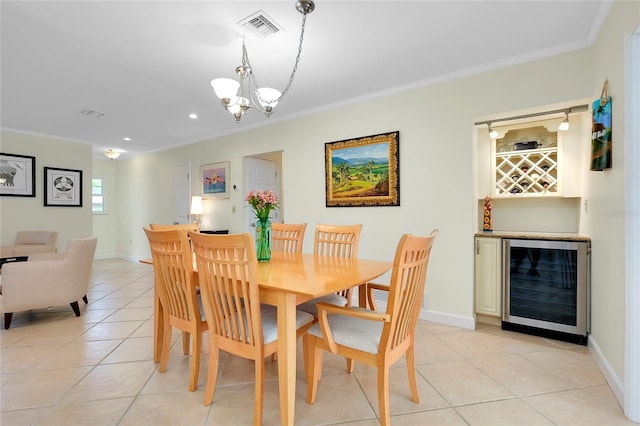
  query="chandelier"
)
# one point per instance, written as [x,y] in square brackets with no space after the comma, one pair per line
[237,96]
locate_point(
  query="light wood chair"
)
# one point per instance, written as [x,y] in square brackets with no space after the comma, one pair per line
[176,288]
[337,241]
[238,323]
[377,339]
[287,237]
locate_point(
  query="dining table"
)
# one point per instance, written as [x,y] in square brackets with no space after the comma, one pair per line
[285,281]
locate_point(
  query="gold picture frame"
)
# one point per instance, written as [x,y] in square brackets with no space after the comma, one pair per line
[363,172]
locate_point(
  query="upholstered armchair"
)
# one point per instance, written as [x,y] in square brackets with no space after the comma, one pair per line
[31,242]
[48,279]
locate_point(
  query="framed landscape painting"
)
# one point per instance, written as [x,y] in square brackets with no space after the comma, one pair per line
[62,187]
[17,175]
[214,180]
[363,172]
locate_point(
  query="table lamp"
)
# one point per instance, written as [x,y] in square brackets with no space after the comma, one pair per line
[196,208]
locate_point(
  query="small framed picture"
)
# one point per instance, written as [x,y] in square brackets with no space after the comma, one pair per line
[17,175]
[214,180]
[62,187]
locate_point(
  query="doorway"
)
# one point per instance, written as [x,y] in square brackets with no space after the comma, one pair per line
[263,171]
[182,193]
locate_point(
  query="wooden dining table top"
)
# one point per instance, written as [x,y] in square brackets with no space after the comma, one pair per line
[312,275]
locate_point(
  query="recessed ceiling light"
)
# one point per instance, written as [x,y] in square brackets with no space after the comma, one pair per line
[126,139]
[193,115]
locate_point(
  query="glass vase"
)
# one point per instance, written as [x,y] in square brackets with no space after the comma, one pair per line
[263,240]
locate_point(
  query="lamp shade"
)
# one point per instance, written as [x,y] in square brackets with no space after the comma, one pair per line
[268,96]
[225,87]
[196,205]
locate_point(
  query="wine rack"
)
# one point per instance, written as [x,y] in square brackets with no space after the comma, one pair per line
[532,172]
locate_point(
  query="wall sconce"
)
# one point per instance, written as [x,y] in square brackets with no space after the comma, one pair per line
[196,208]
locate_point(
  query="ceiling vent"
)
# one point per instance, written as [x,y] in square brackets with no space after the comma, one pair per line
[261,24]
[92,113]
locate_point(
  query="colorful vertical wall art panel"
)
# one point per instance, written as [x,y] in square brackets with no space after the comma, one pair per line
[601,143]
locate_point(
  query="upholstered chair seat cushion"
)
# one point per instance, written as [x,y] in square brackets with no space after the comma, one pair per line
[353,332]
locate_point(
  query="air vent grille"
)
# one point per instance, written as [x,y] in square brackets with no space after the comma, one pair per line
[92,113]
[261,24]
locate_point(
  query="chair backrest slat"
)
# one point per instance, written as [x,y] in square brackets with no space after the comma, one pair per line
[337,240]
[227,273]
[173,266]
[406,288]
[287,237]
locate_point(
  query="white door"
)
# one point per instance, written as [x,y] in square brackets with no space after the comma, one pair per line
[260,174]
[182,193]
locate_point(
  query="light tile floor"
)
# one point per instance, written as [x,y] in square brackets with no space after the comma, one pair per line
[98,370]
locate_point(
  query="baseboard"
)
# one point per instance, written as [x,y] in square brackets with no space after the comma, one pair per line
[616,385]
[448,319]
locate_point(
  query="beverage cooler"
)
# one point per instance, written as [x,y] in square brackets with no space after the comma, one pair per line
[546,288]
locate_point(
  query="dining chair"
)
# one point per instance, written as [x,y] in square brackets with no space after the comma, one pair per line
[375,338]
[287,237]
[335,241]
[238,323]
[176,287]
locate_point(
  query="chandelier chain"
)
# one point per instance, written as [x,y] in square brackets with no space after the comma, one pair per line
[245,58]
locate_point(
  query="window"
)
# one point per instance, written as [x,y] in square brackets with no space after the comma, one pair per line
[98,195]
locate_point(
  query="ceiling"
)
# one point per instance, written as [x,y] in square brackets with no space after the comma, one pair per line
[146,65]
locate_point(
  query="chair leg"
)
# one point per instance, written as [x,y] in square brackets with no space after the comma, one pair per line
[383,395]
[411,371]
[313,366]
[212,374]
[85,300]
[186,336]
[195,361]
[166,346]
[350,364]
[8,316]
[259,391]
[75,307]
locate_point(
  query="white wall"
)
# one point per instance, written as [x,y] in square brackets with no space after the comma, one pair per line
[29,213]
[605,221]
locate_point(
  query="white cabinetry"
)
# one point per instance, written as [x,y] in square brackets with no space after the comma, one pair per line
[488,277]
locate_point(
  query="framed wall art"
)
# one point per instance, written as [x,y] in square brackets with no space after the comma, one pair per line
[363,172]
[214,180]
[17,175]
[601,129]
[62,187]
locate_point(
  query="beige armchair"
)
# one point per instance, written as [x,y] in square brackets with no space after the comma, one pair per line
[31,242]
[48,279]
